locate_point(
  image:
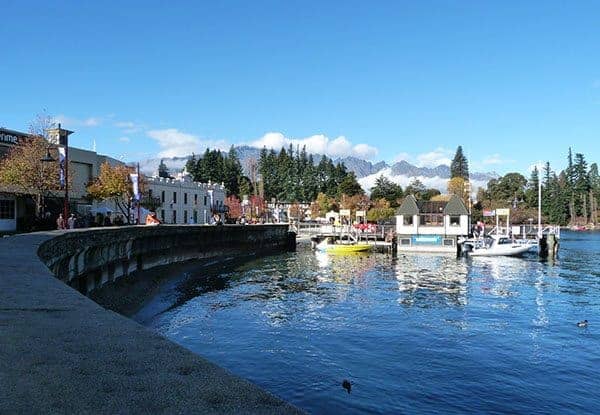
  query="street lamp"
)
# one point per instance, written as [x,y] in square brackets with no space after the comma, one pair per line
[60,138]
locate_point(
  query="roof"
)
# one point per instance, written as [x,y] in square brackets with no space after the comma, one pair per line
[455,206]
[410,206]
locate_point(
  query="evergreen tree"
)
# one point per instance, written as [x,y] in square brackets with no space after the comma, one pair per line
[349,186]
[460,165]
[415,188]
[232,172]
[531,194]
[386,189]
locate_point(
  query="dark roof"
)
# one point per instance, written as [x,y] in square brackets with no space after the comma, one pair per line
[410,206]
[455,206]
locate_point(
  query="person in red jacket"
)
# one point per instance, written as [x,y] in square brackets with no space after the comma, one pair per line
[151,219]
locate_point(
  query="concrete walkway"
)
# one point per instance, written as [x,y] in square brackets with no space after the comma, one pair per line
[62,353]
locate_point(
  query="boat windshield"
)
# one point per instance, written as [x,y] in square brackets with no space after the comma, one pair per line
[504,241]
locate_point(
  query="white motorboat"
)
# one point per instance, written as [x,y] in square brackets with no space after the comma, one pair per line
[495,246]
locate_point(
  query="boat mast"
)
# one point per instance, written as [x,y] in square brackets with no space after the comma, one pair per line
[539,201]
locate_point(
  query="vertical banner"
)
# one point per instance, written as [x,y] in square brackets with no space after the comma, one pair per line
[62,156]
[136,188]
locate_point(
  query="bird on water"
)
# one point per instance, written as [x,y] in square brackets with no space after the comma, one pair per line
[583,323]
[347,385]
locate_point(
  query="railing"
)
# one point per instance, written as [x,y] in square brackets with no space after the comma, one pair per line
[526,231]
[370,232]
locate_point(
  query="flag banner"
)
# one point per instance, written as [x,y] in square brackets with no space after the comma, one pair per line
[136,188]
[489,213]
[62,156]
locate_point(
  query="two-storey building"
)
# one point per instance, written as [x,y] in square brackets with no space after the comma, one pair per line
[431,226]
[185,201]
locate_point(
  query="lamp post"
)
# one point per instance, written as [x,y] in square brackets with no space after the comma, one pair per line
[60,138]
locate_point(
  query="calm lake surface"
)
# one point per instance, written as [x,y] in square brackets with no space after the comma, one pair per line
[415,334]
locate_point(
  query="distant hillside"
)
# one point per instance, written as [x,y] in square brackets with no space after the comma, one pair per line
[367,172]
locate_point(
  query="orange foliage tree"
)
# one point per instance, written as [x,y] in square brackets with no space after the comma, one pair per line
[23,172]
[114,184]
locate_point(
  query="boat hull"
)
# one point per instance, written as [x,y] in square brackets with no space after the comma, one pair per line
[344,248]
[509,250]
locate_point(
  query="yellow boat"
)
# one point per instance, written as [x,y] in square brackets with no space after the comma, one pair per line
[342,248]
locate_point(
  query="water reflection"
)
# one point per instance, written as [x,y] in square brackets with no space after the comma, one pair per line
[426,280]
[482,335]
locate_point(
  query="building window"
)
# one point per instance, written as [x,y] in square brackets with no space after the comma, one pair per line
[432,219]
[174,197]
[185,198]
[185,216]
[204,200]
[408,220]
[149,193]
[162,196]
[174,216]
[7,209]
[195,199]
[455,220]
[162,213]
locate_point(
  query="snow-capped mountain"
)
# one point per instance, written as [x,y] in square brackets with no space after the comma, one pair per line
[366,172]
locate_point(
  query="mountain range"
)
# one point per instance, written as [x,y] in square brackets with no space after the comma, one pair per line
[366,172]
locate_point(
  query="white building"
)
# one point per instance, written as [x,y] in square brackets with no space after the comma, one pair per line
[84,165]
[184,201]
[431,226]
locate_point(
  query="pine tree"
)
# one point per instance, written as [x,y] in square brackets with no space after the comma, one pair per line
[531,194]
[460,165]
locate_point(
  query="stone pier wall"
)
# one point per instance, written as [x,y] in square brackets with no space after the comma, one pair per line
[86,260]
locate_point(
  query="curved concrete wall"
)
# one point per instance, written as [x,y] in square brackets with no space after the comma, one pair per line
[62,353]
[86,260]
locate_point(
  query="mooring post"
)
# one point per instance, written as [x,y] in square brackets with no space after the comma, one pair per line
[552,245]
[543,247]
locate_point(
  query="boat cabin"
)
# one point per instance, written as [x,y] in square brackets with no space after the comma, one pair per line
[431,226]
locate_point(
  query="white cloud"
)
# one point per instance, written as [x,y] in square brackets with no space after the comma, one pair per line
[495,159]
[124,139]
[175,143]
[318,143]
[434,158]
[365,151]
[70,122]
[401,157]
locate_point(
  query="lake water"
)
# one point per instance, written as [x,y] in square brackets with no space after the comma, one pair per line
[414,334]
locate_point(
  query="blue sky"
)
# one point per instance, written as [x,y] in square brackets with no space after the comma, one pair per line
[512,83]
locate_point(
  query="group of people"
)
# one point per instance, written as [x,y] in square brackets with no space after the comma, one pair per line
[88,220]
[70,223]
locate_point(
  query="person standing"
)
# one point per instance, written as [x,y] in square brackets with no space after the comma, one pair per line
[71,221]
[60,222]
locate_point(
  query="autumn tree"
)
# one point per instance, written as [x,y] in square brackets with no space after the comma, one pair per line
[380,210]
[24,173]
[459,187]
[114,184]
[235,207]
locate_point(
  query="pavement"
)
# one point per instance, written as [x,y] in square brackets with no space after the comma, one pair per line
[62,353]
